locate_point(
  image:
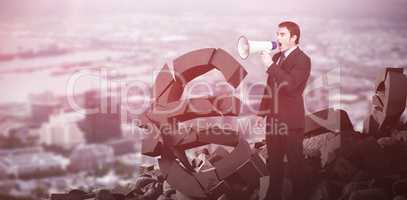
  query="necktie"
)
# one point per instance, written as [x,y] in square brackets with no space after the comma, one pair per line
[282,58]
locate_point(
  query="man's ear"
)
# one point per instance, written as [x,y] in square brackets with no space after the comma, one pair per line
[293,38]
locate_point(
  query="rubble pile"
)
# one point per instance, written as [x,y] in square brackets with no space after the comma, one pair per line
[147,186]
[341,163]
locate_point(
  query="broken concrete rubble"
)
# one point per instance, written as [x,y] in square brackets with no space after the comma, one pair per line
[341,162]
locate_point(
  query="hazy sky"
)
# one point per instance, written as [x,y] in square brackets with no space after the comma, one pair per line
[335,8]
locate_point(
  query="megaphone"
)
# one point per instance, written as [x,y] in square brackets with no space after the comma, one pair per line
[246,47]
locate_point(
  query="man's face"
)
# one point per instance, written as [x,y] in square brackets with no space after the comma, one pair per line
[284,39]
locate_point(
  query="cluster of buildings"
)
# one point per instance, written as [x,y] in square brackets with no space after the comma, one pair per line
[50,146]
[47,144]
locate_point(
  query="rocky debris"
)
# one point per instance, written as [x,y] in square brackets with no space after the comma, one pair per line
[350,166]
[388,103]
[341,163]
[149,186]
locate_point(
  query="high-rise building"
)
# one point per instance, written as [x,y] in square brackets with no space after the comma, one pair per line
[62,130]
[102,121]
[42,106]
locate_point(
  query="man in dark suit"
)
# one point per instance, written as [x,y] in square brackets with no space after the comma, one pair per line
[283,106]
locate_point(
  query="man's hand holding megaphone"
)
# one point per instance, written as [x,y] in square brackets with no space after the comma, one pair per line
[247,47]
[266,58]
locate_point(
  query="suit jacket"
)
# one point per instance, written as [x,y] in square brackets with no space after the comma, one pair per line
[282,99]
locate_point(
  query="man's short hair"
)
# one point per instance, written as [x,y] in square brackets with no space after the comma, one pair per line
[293,28]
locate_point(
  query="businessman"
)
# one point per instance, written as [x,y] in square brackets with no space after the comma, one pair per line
[283,107]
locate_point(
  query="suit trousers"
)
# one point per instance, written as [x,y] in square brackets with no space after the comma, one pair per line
[289,144]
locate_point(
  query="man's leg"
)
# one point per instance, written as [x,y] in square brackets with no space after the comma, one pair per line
[275,163]
[295,163]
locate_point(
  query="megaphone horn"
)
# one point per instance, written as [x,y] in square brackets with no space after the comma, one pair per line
[246,47]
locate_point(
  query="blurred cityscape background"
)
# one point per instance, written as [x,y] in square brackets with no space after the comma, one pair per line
[47,145]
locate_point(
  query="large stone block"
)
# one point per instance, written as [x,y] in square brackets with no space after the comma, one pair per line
[388,103]
[327,120]
[227,166]
[329,150]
